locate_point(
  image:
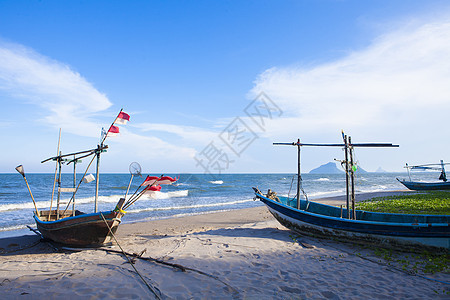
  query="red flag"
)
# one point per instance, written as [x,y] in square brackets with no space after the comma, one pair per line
[166,180]
[153,188]
[113,131]
[122,118]
[150,180]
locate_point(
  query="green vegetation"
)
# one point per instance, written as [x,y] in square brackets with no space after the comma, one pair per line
[431,203]
[417,263]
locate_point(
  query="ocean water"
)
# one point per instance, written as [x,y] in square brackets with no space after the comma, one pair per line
[192,194]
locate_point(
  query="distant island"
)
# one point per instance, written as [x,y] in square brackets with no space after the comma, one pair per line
[328,168]
[331,168]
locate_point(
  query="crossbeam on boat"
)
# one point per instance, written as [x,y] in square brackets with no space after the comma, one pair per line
[339,145]
[92,151]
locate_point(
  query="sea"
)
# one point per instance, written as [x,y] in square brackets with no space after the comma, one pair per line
[192,194]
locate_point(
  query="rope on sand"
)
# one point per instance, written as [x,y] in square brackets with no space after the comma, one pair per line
[151,288]
[155,260]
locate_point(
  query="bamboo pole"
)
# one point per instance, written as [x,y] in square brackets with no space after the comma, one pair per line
[59,188]
[346,174]
[74,183]
[129,184]
[352,177]
[97,175]
[22,172]
[54,179]
[299,178]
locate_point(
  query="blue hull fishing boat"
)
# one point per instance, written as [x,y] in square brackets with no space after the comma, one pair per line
[427,186]
[399,231]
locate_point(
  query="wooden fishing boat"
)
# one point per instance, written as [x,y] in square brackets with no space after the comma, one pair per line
[423,185]
[94,229]
[400,231]
[73,227]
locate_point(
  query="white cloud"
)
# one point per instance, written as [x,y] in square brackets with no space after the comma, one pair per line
[397,88]
[68,97]
[191,135]
[400,72]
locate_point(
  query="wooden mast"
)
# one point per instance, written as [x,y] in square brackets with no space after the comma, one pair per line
[99,150]
[59,187]
[299,176]
[75,161]
[97,176]
[349,173]
[54,179]
[346,174]
[352,178]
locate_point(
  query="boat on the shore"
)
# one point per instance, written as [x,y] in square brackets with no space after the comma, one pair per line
[399,231]
[73,227]
[94,229]
[423,185]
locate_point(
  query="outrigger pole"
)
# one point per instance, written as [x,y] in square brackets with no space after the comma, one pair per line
[348,147]
[22,172]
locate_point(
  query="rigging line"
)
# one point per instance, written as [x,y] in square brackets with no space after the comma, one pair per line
[129,260]
[292,181]
[87,169]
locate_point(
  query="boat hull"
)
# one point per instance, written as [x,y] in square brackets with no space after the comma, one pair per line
[81,230]
[401,234]
[425,186]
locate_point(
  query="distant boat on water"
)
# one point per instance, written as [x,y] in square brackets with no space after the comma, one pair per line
[423,185]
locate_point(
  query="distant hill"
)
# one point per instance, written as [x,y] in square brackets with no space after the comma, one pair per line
[331,168]
[361,170]
[328,168]
[380,170]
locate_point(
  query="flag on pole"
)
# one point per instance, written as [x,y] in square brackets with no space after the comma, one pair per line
[154,188]
[150,180]
[122,118]
[113,131]
[166,180]
[154,180]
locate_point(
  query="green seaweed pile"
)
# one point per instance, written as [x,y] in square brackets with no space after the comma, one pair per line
[430,203]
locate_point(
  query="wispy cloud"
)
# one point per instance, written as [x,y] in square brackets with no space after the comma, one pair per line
[189,134]
[400,82]
[69,99]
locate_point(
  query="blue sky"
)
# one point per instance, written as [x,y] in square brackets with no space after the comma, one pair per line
[188,73]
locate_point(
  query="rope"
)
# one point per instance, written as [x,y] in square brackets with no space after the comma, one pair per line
[152,289]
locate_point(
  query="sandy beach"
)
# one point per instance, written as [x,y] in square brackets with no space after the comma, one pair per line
[239,254]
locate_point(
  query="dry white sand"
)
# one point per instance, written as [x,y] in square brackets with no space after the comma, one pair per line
[242,254]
